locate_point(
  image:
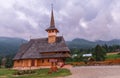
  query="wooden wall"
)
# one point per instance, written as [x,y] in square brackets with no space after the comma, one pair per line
[31,62]
[51,39]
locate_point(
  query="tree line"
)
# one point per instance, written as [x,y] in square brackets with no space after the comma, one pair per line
[6,61]
[98,52]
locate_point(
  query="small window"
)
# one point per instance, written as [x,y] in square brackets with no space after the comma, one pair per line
[64,52]
[52,30]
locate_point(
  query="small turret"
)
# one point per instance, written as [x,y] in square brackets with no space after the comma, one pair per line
[52,30]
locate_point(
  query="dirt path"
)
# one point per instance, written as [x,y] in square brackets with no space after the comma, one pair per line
[95,72]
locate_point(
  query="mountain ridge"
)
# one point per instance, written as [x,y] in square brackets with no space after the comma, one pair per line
[9,45]
[83,43]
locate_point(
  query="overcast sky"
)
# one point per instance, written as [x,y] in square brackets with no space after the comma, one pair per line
[87,19]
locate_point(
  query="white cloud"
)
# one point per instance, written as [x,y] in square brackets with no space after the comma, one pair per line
[6,4]
[115,11]
[21,15]
[83,23]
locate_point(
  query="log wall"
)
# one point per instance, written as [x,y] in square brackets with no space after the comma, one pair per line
[32,62]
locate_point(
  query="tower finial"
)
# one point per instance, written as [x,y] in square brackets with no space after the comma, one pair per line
[52,23]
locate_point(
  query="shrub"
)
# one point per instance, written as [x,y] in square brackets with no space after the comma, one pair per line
[22,72]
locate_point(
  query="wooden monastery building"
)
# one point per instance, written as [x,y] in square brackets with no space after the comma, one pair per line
[43,52]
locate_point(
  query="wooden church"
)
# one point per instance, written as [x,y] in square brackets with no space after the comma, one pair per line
[43,52]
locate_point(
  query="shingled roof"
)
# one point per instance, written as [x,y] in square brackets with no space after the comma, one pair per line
[36,47]
[52,28]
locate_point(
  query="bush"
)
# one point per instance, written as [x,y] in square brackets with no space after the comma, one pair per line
[22,72]
[118,54]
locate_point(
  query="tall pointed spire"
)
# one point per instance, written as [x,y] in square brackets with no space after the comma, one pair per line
[52,30]
[52,23]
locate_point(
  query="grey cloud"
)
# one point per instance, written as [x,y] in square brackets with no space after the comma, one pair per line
[22,18]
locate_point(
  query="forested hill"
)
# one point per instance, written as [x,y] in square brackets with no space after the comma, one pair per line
[82,43]
[10,45]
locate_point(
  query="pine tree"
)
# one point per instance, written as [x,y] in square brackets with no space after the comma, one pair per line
[0,61]
[99,53]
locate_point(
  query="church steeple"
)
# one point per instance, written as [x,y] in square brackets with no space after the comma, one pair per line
[52,30]
[52,23]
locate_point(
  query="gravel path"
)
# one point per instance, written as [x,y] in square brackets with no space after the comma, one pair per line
[95,72]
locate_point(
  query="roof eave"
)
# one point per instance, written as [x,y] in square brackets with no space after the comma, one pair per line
[51,29]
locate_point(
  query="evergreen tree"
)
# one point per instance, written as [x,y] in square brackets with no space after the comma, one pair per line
[105,47]
[3,61]
[9,62]
[99,53]
[0,61]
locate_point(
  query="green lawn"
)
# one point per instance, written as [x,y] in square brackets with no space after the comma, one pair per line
[113,56]
[41,73]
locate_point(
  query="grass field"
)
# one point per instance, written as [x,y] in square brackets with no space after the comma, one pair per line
[113,56]
[41,73]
